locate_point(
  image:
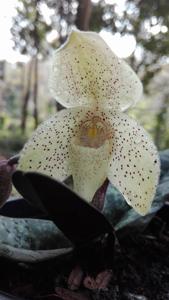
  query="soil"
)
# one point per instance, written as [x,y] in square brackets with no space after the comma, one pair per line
[140,270]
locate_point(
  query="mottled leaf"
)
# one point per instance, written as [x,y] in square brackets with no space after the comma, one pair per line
[77,219]
[123,217]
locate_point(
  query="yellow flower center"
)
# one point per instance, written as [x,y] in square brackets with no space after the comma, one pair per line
[93,132]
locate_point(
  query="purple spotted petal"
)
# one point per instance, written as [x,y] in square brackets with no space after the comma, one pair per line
[86,72]
[134,167]
[47,151]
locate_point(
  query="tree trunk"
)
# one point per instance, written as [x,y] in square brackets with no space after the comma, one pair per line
[35,93]
[160,127]
[26,98]
[83,14]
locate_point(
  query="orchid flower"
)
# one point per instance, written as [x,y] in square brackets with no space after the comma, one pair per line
[93,139]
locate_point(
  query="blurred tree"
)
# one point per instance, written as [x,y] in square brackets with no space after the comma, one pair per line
[97,19]
[29,31]
[147,21]
[64,16]
[159,90]
[83,15]
[31,28]
[26,96]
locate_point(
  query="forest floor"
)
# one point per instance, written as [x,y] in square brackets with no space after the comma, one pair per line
[140,270]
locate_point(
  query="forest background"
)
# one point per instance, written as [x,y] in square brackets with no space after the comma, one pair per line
[136,30]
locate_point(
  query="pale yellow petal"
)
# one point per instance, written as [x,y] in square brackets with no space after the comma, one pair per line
[131,88]
[47,151]
[85,71]
[89,168]
[134,167]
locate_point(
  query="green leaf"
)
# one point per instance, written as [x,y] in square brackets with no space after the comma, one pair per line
[123,217]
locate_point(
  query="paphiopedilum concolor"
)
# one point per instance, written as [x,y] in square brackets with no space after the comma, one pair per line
[93,139]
